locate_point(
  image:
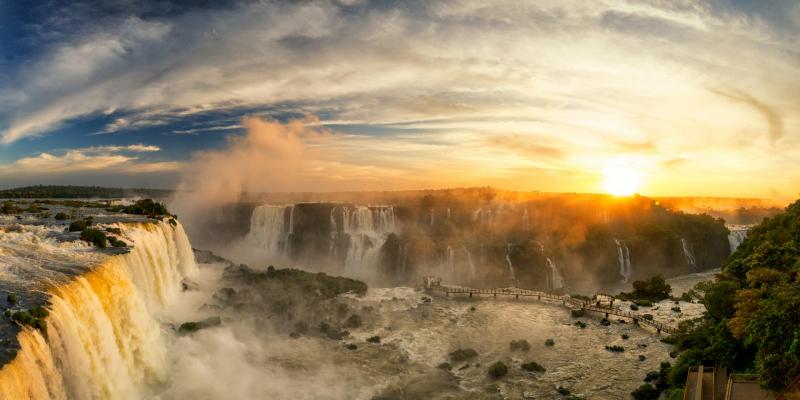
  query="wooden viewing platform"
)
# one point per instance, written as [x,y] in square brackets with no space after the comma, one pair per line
[567,300]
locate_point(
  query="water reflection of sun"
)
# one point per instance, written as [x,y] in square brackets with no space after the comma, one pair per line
[621,181]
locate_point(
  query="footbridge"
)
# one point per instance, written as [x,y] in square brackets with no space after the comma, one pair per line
[602,303]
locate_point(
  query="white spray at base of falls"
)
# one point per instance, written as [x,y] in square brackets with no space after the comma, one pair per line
[103,337]
[624,259]
[687,252]
[556,280]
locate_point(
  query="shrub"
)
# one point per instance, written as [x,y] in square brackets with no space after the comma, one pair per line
[146,207]
[445,366]
[498,370]
[634,307]
[39,312]
[676,309]
[642,357]
[116,242]
[519,345]
[533,366]
[374,339]
[580,324]
[113,230]
[646,392]
[61,216]
[460,355]
[351,346]
[624,336]
[549,342]
[615,349]
[11,298]
[578,313]
[643,303]
[94,237]
[189,327]
[78,225]
[354,321]
[605,322]
[563,391]
[9,207]
[648,317]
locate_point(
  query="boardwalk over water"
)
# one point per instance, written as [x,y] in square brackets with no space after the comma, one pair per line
[597,306]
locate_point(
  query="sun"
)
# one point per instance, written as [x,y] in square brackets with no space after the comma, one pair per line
[621,181]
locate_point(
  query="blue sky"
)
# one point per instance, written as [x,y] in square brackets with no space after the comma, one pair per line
[698,98]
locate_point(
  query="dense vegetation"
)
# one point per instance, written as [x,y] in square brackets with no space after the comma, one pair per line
[77,192]
[648,291]
[752,323]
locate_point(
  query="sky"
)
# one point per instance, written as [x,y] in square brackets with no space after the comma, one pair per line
[687,97]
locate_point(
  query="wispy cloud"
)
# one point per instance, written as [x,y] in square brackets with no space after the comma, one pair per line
[96,158]
[196,131]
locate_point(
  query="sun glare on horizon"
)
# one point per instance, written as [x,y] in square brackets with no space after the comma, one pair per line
[621,181]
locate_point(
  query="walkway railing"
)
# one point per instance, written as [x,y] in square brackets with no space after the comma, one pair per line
[566,300]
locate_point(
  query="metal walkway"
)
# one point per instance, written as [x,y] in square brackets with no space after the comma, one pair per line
[566,300]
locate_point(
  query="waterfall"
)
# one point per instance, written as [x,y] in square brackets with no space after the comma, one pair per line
[737,235]
[404,261]
[525,220]
[291,220]
[687,252]
[332,250]
[103,336]
[624,258]
[482,216]
[556,280]
[363,219]
[368,228]
[431,216]
[450,260]
[268,230]
[510,264]
[469,262]
[448,213]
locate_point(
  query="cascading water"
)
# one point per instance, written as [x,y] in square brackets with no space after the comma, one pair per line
[556,280]
[510,264]
[687,252]
[737,235]
[333,235]
[624,258]
[103,337]
[450,260]
[368,228]
[472,271]
[268,228]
